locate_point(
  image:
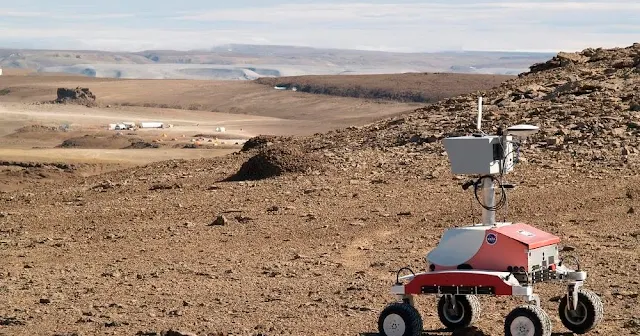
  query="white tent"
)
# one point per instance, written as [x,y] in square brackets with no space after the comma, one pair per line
[151,125]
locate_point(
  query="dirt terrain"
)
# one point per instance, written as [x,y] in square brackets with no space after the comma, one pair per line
[239,98]
[303,235]
[31,123]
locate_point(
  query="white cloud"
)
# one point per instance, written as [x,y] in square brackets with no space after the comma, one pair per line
[19,14]
[62,16]
[493,25]
[570,5]
[332,12]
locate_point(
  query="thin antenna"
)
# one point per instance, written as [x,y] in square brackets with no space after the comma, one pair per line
[479,112]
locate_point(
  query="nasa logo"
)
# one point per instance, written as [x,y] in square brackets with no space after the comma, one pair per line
[492,239]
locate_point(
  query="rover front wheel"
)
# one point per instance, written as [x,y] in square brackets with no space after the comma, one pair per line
[462,314]
[400,319]
[527,321]
[586,316]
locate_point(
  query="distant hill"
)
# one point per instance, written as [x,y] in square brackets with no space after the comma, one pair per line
[246,62]
[410,88]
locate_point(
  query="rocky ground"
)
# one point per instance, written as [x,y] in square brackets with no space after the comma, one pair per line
[302,236]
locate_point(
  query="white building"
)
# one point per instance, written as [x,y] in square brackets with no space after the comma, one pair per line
[151,125]
[0,71]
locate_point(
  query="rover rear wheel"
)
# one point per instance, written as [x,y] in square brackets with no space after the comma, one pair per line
[527,320]
[400,319]
[588,313]
[463,314]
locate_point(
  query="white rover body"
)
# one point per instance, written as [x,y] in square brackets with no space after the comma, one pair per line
[490,258]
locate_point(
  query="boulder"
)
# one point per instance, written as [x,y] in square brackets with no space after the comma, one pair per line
[78,95]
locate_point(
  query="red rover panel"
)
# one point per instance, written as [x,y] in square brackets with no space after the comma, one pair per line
[530,236]
[464,282]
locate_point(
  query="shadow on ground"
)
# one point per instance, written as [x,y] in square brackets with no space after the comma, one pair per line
[445,332]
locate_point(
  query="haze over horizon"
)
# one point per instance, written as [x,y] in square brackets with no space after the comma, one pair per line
[410,26]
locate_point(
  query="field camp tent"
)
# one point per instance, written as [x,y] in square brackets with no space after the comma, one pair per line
[151,125]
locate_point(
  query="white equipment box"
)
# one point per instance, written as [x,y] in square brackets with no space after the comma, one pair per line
[483,155]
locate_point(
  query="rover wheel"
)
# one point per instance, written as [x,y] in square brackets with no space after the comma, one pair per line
[400,319]
[588,313]
[527,321]
[464,314]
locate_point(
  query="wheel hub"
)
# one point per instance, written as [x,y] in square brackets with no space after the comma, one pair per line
[394,325]
[454,314]
[577,316]
[522,326]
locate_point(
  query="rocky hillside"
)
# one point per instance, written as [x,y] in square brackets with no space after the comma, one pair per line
[587,105]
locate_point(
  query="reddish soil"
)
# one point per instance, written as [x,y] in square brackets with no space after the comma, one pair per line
[304,235]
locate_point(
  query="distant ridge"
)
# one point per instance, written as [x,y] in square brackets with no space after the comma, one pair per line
[247,62]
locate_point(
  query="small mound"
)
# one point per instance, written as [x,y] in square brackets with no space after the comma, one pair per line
[36,128]
[276,161]
[141,144]
[258,142]
[219,136]
[97,142]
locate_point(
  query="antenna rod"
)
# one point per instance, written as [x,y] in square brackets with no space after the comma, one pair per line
[479,112]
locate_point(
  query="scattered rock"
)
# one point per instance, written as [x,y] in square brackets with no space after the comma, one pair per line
[633,323]
[553,141]
[220,221]
[148,333]
[104,185]
[243,219]
[112,324]
[10,321]
[177,333]
[568,248]
[300,256]
[45,301]
[165,186]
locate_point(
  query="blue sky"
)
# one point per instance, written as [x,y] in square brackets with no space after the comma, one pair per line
[407,26]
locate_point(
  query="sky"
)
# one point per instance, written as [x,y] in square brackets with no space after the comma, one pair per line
[404,26]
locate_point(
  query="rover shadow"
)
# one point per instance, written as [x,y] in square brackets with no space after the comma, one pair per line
[446,332]
[435,332]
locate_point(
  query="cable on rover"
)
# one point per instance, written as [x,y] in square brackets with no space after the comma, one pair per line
[572,257]
[503,197]
[398,274]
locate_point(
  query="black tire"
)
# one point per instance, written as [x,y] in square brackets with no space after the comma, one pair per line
[590,312]
[526,319]
[466,313]
[400,319]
